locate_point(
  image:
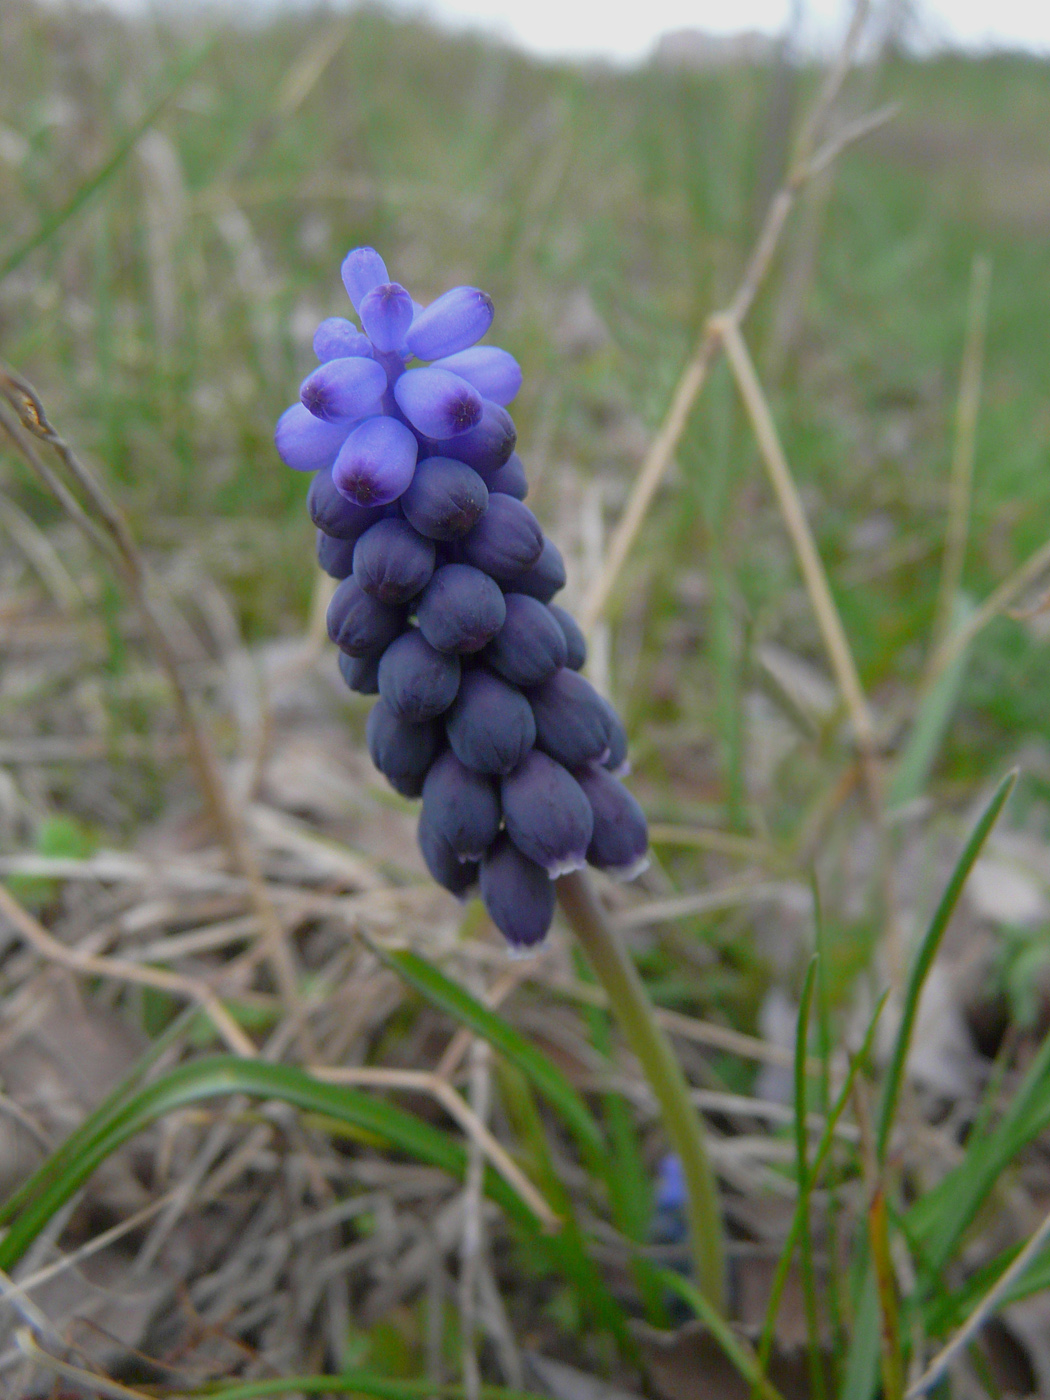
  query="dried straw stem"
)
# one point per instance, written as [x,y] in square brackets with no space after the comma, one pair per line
[108,531]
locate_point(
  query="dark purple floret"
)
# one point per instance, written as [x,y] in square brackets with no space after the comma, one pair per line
[446,498]
[336,337]
[306,443]
[545,577]
[491,726]
[392,562]
[347,388]
[548,817]
[571,722]
[457,876]
[438,403]
[510,479]
[530,646]
[401,751]
[361,673]
[358,624]
[620,838]
[335,515]
[460,609]
[417,682]
[376,462]
[461,806]
[518,895]
[488,444]
[457,319]
[336,557]
[616,759]
[506,541]
[575,642]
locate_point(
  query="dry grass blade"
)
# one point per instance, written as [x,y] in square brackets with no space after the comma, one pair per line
[980,1315]
[660,454]
[42,942]
[809,561]
[117,544]
[88,1380]
[420,1081]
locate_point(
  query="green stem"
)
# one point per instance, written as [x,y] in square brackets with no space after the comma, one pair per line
[682,1123]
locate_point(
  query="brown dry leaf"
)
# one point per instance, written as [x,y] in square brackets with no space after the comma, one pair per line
[689,1365]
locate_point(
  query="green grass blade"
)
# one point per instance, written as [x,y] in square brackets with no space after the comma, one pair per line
[924,960]
[809,1285]
[352,1383]
[862,1365]
[857,1063]
[52,222]
[457,1002]
[221,1075]
[737,1350]
[931,721]
[938,1221]
[568,1249]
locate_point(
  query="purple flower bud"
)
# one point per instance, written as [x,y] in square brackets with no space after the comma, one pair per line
[359,624]
[417,682]
[346,388]
[336,557]
[445,498]
[336,337]
[548,817]
[530,646]
[462,806]
[510,479]
[506,541]
[518,895]
[545,577]
[306,443]
[620,838]
[386,314]
[615,761]
[335,515]
[488,445]
[361,673]
[451,323]
[457,876]
[362,270]
[575,642]
[460,609]
[571,723]
[401,751]
[392,562]
[439,404]
[670,1191]
[490,726]
[493,372]
[376,462]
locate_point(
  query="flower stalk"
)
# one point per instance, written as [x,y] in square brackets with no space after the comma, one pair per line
[684,1127]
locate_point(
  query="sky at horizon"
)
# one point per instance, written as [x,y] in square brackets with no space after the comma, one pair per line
[626,32]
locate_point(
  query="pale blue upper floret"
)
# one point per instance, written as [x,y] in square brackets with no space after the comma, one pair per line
[363,376]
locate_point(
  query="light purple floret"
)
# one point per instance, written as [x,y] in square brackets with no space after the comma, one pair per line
[386,314]
[439,404]
[306,443]
[453,322]
[376,463]
[362,270]
[495,373]
[349,387]
[336,337]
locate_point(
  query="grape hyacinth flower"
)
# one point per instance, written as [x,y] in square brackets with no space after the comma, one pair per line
[444,606]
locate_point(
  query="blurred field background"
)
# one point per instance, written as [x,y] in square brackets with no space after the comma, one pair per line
[164,312]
